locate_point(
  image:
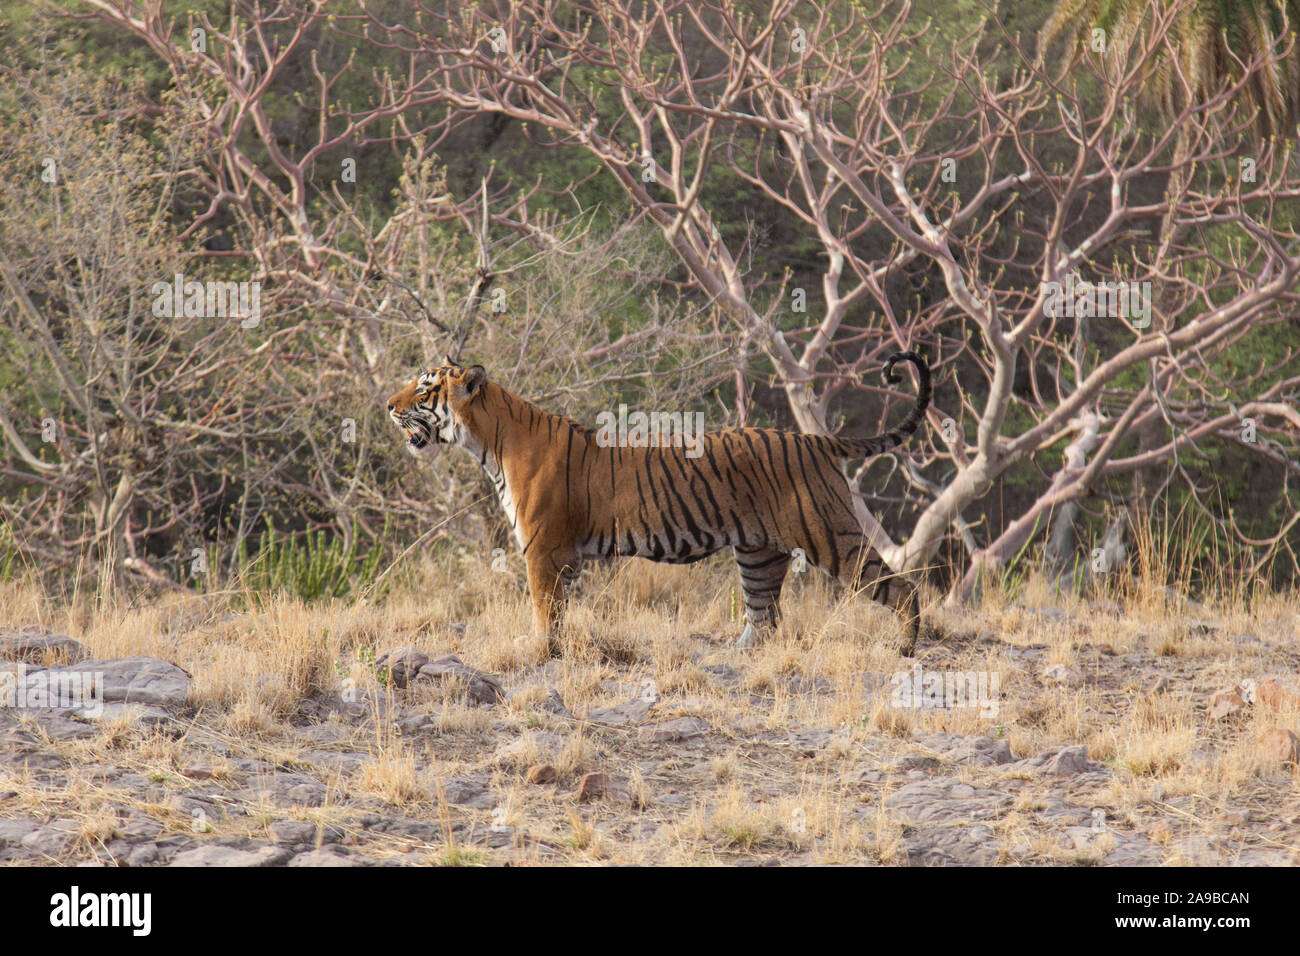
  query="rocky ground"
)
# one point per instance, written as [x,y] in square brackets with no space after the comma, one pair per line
[1111,741]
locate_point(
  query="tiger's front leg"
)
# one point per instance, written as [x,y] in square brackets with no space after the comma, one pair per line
[549,574]
[762,575]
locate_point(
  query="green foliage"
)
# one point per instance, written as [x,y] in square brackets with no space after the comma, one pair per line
[10,557]
[308,566]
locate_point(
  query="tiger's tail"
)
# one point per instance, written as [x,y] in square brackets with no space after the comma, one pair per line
[887,441]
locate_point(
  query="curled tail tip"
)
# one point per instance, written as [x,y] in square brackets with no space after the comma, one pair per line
[908,356]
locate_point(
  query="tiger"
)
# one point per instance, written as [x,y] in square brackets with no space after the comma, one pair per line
[570,495]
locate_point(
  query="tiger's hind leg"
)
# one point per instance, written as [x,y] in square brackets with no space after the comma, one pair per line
[762,575]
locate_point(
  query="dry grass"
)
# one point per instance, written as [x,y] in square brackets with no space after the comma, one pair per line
[745,789]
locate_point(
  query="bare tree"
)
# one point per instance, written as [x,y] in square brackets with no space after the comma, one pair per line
[912,160]
[239,420]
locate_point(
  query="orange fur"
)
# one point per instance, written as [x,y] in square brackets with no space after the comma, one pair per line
[570,498]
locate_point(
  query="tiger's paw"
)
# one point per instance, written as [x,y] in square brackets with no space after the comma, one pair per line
[748,637]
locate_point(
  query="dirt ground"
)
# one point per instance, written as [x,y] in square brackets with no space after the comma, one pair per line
[283,733]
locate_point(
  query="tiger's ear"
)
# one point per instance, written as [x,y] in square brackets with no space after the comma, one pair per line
[474,378]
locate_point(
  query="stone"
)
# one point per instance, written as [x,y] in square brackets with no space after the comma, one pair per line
[143,716]
[724,674]
[327,856]
[337,760]
[52,840]
[799,684]
[629,712]
[480,687]
[143,854]
[1059,675]
[683,728]
[400,665]
[1200,849]
[542,773]
[809,742]
[936,800]
[467,791]
[952,846]
[1059,762]
[554,704]
[1225,703]
[1279,746]
[979,751]
[293,831]
[14,830]
[1273,696]
[593,786]
[32,647]
[213,855]
[131,680]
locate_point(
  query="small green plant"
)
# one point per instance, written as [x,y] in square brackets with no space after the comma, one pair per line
[310,566]
[10,557]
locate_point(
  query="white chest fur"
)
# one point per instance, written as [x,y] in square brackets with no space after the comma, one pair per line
[497,475]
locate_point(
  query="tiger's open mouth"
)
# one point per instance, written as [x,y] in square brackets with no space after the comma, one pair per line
[418,433]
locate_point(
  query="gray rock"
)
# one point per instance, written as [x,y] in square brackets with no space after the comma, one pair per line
[973,845]
[724,674]
[213,855]
[60,724]
[336,760]
[480,687]
[809,742]
[400,664]
[331,856]
[143,716]
[979,751]
[293,831]
[417,723]
[306,794]
[554,704]
[143,855]
[1059,675]
[1133,850]
[13,830]
[799,684]
[133,680]
[32,647]
[1201,849]
[1061,761]
[53,840]
[467,791]
[629,712]
[683,728]
[947,801]
[325,733]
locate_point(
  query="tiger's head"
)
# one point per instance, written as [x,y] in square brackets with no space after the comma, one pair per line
[433,408]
